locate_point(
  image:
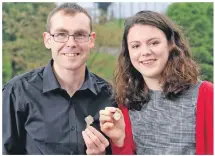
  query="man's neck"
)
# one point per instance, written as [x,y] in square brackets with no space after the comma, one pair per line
[70,80]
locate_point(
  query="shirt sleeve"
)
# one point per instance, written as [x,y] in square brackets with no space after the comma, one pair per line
[129,147]
[12,123]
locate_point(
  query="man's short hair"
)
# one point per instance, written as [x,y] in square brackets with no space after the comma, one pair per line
[67,9]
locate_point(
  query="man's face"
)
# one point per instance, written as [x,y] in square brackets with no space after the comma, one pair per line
[71,54]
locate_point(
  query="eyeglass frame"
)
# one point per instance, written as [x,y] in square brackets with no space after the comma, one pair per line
[53,35]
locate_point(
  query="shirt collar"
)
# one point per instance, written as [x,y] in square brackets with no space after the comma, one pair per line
[90,83]
[50,82]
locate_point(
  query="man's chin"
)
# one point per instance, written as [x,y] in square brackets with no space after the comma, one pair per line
[73,67]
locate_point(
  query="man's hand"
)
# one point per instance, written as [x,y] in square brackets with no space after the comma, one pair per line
[96,143]
[114,129]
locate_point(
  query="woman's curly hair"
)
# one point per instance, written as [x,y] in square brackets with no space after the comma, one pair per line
[180,72]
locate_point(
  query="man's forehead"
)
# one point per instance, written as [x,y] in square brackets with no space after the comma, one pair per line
[66,21]
[79,16]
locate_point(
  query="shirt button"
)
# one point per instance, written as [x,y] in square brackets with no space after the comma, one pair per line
[73,128]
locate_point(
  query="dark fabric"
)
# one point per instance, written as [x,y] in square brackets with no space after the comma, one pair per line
[39,117]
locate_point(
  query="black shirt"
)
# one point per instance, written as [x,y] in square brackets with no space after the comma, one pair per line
[39,117]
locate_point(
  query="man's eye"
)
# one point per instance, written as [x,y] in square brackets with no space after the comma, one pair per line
[60,35]
[80,35]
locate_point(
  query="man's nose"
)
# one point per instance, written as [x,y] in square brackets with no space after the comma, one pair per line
[71,41]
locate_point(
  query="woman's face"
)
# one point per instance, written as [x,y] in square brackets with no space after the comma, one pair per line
[148,50]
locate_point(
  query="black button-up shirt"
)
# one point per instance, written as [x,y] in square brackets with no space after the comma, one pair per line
[39,117]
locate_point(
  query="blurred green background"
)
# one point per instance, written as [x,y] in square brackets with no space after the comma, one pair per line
[24,23]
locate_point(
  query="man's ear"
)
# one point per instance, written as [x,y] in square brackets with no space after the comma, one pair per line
[92,39]
[47,40]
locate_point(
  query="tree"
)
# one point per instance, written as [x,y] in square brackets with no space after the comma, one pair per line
[23,25]
[196,19]
[7,69]
[103,7]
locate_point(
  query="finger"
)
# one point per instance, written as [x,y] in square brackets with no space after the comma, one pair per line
[89,143]
[107,125]
[105,112]
[104,118]
[100,136]
[86,139]
[116,112]
[100,147]
[111,109]
[93,152]
[99,140]
[93,137]
[90,151]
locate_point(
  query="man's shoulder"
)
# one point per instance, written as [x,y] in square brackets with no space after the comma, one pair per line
[105,88]
[99,80]
[102,83]
[19,79]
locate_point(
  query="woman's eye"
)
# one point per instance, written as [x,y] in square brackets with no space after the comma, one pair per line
[154,43]
[135,46]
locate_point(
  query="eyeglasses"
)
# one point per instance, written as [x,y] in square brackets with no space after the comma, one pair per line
[64,37]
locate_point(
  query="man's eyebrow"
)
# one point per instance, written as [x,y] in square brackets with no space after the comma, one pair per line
[61,30]
[80,31]
[75,31]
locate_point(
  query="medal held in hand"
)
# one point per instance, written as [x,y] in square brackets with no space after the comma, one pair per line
[117,115]
[89,120]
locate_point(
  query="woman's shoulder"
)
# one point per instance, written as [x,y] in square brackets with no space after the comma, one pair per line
[206,86]
[205,91]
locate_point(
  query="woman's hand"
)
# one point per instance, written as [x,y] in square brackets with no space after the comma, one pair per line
[114,129]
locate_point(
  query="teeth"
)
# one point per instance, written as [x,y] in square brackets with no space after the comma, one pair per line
[148,62]
[71,55]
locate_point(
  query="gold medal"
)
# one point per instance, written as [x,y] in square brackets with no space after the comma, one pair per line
[117,115]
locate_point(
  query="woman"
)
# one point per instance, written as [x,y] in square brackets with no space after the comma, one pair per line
[166,108]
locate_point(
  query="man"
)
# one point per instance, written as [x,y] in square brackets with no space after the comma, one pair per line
[44,110]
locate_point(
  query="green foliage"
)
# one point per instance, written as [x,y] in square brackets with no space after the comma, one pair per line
[207,72]
[23,26]
[109,34]
[196,19]
[103,64]
[7,69]
[116,24]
